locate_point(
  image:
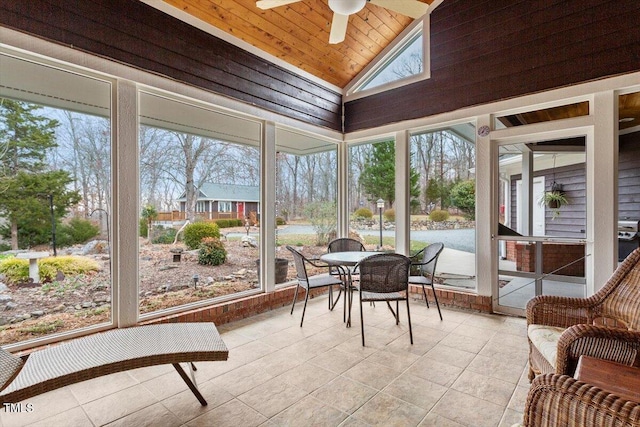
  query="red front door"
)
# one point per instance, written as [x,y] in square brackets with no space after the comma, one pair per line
[240,210]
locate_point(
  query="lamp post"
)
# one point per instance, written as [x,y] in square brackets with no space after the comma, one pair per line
[107,222]
[380,204]
[53,225]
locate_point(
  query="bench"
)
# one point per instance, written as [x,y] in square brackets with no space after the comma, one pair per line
[109,352]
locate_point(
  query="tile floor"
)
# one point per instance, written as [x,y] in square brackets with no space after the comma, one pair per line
[468,370]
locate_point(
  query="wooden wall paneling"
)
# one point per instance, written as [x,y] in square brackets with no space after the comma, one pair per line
[487,51]
[164,45]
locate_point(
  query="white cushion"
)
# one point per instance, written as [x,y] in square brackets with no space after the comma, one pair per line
[545,339]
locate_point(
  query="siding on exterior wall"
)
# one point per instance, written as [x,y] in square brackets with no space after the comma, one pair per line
[629,177]
[136,34]
[572,221]
[487,50]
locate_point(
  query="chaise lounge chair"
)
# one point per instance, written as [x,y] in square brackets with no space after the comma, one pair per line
[109,352]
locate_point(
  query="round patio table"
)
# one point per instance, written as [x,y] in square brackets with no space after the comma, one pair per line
[347,259]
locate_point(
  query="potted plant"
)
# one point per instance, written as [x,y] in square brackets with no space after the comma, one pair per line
[554,199]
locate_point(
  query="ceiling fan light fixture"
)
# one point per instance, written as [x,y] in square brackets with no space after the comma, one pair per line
[347,7]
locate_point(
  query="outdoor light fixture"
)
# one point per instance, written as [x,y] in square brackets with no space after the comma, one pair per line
[195,281]
[347,7]
[380,204]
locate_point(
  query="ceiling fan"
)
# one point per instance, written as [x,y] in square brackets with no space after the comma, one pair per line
[343,8]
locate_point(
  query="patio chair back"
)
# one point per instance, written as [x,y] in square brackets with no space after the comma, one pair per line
[430,256]
[301,268]
[384,273]
[345,244]
[619,298]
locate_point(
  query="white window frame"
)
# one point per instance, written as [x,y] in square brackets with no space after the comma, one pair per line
[225,206]
[354,89]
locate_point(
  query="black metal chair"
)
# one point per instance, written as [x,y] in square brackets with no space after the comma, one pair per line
[385,277]
[345,244]
[427,268]
[313,282]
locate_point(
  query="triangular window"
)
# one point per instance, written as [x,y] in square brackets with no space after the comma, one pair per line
[403,63]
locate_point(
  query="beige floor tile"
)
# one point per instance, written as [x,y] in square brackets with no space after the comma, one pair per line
[344,394]
[234,339]
[484,387]
[309,412]
[72,418]
[276,363]
[464,343]
[231,414]
[354,346]
[434,371]
[468,410]
[353,422]
[281,339]
[421,344]
[394,360]
[519,399]
[166,385]
[517,341]
[242,379]
[495,348]
[119,404]
[386,410]
[372,374]
[307,377]
[145,374]
[41,407]
[335,360]
[415,390]
[187,407]
[151,416]
[510,418]
[501,367]
[488,321]
[87,391]
[474,331]
[272,397]
[450,355]
[304,350]
[432,420]
[249,352]
[208,370]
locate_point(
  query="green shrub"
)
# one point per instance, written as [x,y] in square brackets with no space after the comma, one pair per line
[364,213]
[390,215]
[144,228]
[195,232]
[163,235]
[4,247]
[439,215]
[222,223]
[212,252]
[16,270]
[80,230]
[280,221]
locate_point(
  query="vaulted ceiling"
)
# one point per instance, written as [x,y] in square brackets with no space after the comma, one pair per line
[298,33]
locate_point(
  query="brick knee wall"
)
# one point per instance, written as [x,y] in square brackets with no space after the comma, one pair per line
[229,311]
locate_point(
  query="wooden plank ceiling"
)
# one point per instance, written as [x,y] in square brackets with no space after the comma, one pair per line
[298,33]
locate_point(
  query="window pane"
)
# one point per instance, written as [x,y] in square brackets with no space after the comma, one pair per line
[306,194]
[443,203]
[372,194]
[55,200]
[199,184]
[407,62]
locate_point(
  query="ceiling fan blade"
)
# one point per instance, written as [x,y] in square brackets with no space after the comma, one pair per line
[411,8]
[338,28]
[269,4]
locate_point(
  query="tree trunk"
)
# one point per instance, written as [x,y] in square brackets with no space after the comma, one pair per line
[14,235]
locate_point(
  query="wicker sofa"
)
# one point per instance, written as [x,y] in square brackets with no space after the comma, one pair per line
[559,400]
[605,325]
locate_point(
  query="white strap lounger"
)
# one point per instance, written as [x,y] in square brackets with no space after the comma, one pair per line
[109,352]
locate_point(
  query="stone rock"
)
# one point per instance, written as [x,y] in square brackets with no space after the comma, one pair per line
[37,313]
[87,304]
[60,307]
[242,272]
[3,287]
[5,298]
[10,306]
[96,247]
[59,276]
[249,241]
[208,280]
